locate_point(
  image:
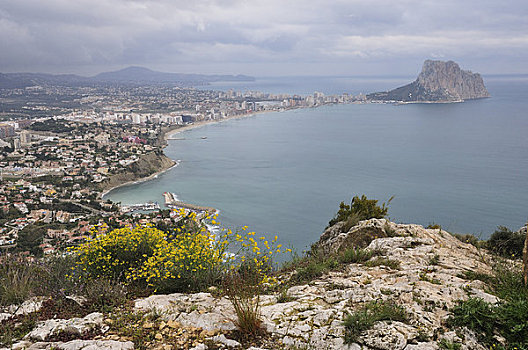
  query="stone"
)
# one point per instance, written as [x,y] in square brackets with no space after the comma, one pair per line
[173,324]
[384,336]
[422,346]
[223,340]
[199,347]
[27,307]
[83,345]
[48,328]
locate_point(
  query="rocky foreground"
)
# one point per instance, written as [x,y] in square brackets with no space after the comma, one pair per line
[416,268]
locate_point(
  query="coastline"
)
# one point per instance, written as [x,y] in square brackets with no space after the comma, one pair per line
[141,179]
[200,124]
[165,138]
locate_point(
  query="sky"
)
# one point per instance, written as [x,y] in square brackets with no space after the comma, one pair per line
[263,38]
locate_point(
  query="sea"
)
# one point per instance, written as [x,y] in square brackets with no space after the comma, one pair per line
[463,166]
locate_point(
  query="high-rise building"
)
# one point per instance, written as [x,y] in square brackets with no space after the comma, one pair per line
[6,130]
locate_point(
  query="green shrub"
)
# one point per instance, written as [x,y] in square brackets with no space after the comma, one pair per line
[284,297]
[468,238]
[472,276]
[508,318]
[354,255]
[434,226]
[380,261]
[506,242]
[475,314]
[364,318]
[314,267]
[361,208]
[434,260]
[449,345]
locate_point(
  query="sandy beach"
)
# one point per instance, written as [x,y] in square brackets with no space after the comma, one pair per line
[196,125]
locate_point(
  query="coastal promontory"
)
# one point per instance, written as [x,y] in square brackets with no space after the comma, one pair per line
[439,81]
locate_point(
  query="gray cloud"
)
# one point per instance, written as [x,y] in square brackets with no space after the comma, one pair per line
[261,37]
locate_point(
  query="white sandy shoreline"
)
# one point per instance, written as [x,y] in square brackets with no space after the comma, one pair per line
[208,122]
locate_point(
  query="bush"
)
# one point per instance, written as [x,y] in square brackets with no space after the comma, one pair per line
[375,311]
[506,242]
[119,254]
[468,238]
[508,318]
[355,255]
[190,258]
[360,209]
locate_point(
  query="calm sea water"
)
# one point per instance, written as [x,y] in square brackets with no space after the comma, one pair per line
[464,166]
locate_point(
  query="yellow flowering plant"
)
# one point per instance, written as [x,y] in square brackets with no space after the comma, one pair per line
[188,258]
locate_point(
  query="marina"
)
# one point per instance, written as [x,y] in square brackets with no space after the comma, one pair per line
[171,201]
[148,206]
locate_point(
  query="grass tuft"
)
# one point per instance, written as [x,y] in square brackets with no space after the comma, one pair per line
[364,318]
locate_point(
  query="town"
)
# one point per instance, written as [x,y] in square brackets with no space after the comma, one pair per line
[58,158]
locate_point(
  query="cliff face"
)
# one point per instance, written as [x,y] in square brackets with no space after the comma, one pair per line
[438,81]
[145,166]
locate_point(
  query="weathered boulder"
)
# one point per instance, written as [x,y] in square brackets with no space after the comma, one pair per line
[75,326]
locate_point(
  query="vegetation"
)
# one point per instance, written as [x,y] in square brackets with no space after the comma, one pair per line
[243,289]
[506,243]
[361,208]
[316,263]
[469,238]
[190,258]
[507,319]
[449,345]
[16,281]
[364,318]
[380,261]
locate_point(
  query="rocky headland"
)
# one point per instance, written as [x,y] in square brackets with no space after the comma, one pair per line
[146,167]
[422,272]
[440,82]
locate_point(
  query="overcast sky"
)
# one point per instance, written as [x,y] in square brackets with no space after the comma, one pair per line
[263,38]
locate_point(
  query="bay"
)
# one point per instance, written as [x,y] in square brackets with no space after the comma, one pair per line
[463,165]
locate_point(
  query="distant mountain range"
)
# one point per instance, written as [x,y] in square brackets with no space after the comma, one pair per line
[130,75]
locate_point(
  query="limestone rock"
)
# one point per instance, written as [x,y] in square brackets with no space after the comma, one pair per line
[49,328]
[83,345]
[438,81]
[230,343]
[386,336]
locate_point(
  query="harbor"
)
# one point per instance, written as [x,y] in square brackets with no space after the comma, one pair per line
[149,206]
[172,202]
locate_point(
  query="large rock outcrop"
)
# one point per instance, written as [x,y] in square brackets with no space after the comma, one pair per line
[439,81]
[427,280]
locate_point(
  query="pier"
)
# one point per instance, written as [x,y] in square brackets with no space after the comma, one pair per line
[172,202]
